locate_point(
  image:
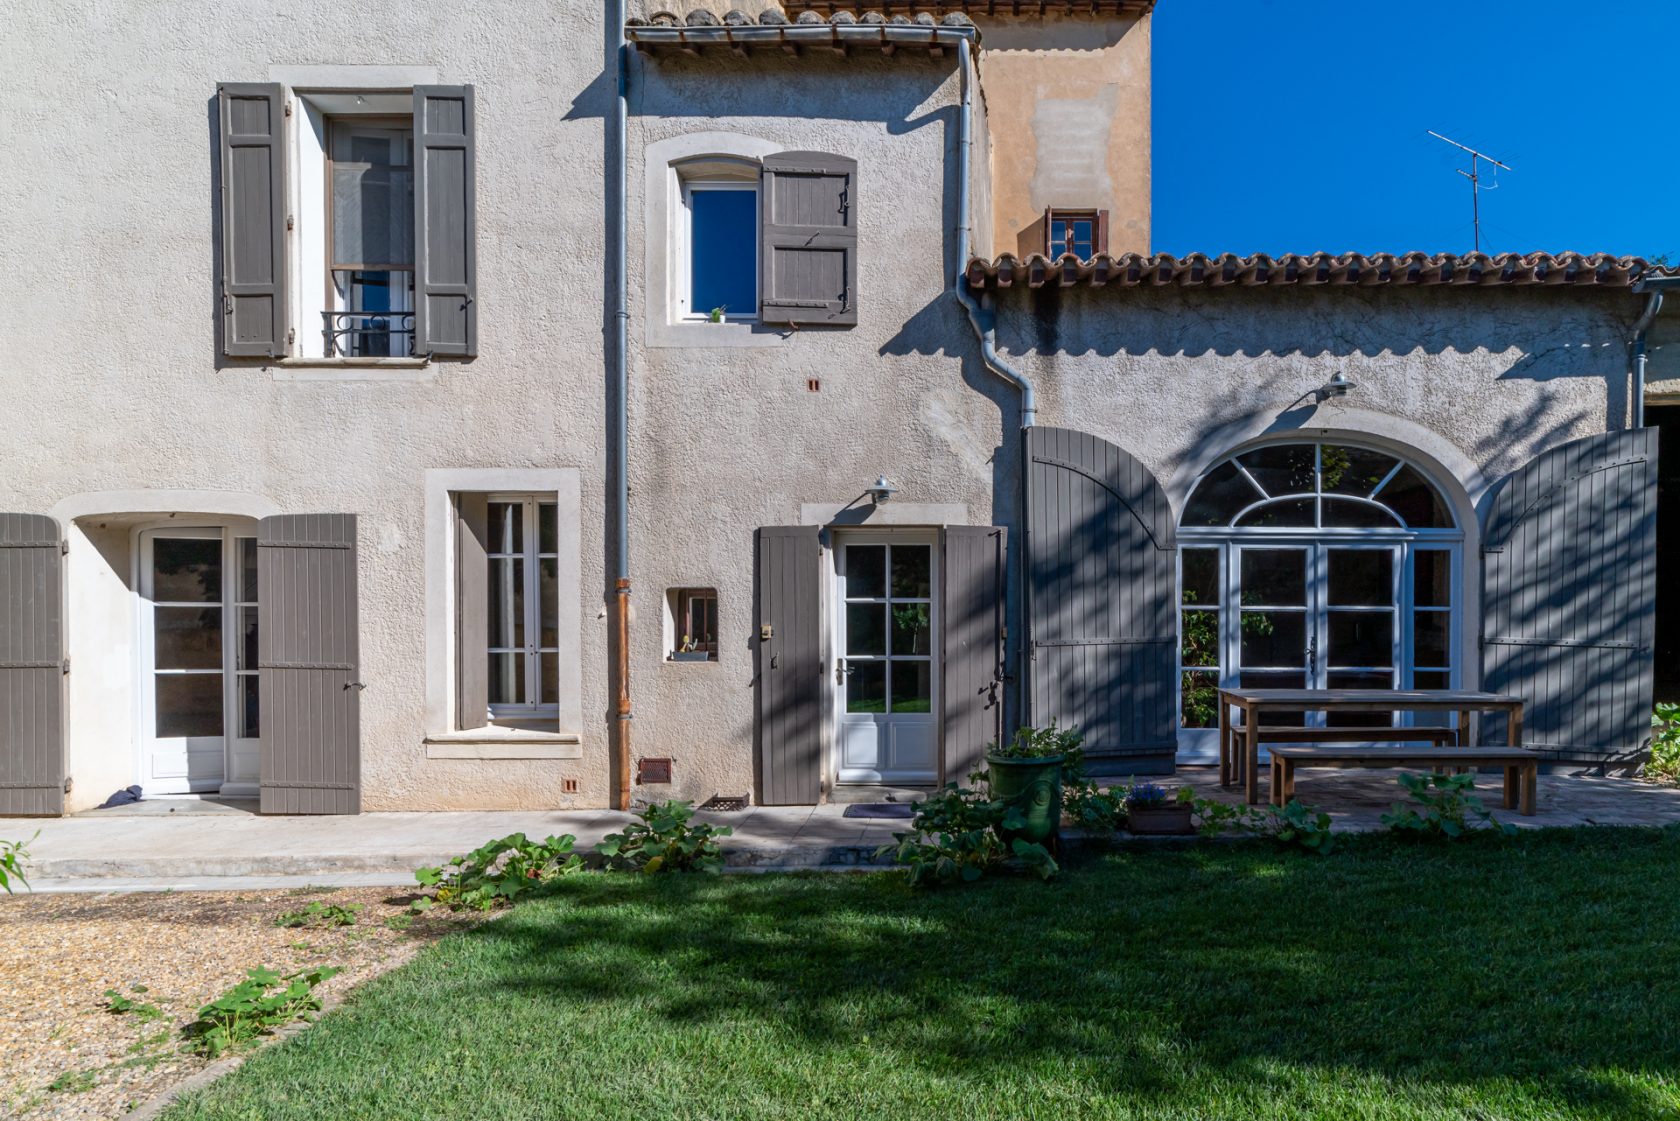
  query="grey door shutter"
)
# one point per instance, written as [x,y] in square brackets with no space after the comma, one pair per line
[472,611]
[971,645]
[253,160]
[1569,596]
[1101,579]
[808,240]
[308,690]
[788,665]
[445,225]
[31,666]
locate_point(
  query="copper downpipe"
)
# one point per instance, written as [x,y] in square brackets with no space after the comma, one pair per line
[623,742]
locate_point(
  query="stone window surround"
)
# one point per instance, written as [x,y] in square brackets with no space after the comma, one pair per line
[442,740]
[661,199]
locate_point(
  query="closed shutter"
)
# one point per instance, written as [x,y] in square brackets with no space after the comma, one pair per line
[307,654]
[31,666]
[1101,586]
[971,645]
[808,240]
[472,611]
[1569,596]
[253,161]
[445,225]
[788,665]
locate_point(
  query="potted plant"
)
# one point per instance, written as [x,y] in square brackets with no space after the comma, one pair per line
[716,314]
[1149,809]
[1026,774]
[690,651]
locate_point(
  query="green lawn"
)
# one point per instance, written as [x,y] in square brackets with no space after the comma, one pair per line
[1537,977]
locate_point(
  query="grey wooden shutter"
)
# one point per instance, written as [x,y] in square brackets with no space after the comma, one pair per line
[1569,596]
[788,665]
[31,666]
[971,645]
[808,207]
[307,657]
[472,613]
[253,157]
[1101,580]
[445,222]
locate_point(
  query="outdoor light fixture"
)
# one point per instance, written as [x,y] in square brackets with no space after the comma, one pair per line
[881,493]
[1337,386]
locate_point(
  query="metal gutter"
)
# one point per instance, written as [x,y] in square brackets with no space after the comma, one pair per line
[618,377]
[1653,288]
[984,322]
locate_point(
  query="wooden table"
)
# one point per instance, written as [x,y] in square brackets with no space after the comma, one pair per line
[1253,703]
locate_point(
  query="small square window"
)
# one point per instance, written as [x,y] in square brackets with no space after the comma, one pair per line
[718,263]
[1084,233]
[692,614]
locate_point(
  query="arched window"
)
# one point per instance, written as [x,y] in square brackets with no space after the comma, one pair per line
[1315,565]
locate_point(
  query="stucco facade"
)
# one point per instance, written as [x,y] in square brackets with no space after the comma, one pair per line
[124,414]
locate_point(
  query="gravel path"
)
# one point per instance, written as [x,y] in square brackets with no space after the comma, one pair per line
[59,953]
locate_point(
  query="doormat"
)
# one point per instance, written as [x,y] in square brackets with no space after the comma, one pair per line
[902,811]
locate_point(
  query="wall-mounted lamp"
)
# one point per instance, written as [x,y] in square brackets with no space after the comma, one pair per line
[1337,386]
[881,493]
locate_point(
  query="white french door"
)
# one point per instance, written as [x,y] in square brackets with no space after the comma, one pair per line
[198,661]
[886,677]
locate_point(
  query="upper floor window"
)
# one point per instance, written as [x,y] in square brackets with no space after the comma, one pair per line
[1083,233]
[717,244]
[370,252]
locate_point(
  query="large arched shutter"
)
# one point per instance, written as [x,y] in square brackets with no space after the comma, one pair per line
[1569,595]
[1101,578]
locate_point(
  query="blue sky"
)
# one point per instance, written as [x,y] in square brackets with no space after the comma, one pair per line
[1291,126]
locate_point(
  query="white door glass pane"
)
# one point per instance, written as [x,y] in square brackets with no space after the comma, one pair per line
[548,578]
[249,727]
[724,244]
[866,631]
[187,637]
[866,687]
[866,571]
[372,196]
[548,527]
[507,602]
[188,705]
[912,686]
[247,569]
[911,565]
[186,570]
[507,679]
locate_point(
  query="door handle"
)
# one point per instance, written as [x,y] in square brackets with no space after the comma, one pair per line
[1312,653]
[841,669]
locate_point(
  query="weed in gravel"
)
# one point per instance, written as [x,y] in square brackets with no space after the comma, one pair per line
[312,889]
[399,922]
[13,855]
[321,914]
[74,1082]
[119,1005]
[265,1000]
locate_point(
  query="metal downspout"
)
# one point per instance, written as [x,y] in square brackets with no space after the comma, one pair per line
[618,365]
[984,321]
[1653,305]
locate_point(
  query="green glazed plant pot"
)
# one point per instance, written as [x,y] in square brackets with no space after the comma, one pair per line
[1033,787]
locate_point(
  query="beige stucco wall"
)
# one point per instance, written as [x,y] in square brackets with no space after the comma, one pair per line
[1068,97]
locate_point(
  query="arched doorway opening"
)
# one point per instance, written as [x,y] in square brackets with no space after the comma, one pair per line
[1314,564]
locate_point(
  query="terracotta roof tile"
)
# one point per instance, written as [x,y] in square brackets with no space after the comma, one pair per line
[1359,270]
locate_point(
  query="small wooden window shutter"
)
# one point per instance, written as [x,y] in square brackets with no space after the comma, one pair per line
[253,168]
[808,206]
[472,615]
[445,222]
[309,685]
[32,666]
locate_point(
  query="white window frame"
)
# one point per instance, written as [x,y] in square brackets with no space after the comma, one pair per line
[533,556]
[682,250]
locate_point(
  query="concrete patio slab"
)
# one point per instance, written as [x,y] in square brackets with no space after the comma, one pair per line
[183,843]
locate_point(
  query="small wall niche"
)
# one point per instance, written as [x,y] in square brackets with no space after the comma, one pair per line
[691,625]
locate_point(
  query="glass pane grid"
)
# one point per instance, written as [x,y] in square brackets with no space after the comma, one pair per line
[888,621]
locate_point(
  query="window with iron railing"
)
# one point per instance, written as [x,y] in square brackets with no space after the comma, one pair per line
[370,249]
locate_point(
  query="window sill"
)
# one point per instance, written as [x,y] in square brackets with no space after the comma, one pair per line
[504,743]
[351,369]
[698,333]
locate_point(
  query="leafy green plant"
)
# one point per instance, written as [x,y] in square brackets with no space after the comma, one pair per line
[496,872]
[1664,762]
[74,1082]
[1297,825]
[954,839]
[1443,806]
[265,1000]
[119,1005]
[400,922]
[13,854]
[320,914]
[1038,743]
[664,840]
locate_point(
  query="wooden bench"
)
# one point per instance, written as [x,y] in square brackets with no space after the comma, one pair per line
[1231,761]
[1520,764]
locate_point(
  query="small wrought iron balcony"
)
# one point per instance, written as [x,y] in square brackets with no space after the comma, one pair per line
[368,334]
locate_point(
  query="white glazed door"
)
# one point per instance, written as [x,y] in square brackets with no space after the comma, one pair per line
[886,675]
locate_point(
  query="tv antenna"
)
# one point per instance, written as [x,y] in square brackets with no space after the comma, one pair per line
[1475,177]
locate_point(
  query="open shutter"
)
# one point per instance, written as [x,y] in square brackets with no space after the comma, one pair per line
[1101,580]
[1569,596]
[971,645]
[788,665]
[31,666]
[472,611]
[253,160]
[445,225]
[307,654]
[808,240]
